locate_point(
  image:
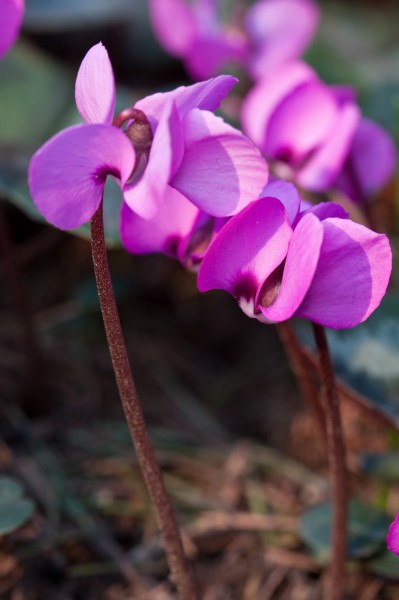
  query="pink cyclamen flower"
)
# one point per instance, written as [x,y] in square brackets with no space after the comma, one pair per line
[270,33]
[393,536]
[315,135]
[11,12]
[172,142]
[280,262]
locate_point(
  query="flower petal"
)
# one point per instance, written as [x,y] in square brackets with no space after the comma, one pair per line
[351,277]
[145,196]
[260,103]
[325,210]
[11,12]
[174,24]
[173,221]
[300,122]
[373,156]
[206,95]
[321,170]
[95,87]
[300,266]
[67,174]
[221,171]
[288,195]
[393,536]
[247,250]
[280,31]
[209,54]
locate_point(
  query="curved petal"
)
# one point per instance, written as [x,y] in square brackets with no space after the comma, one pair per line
[173,221]
[11,12]
[266,95]
[300,122]
[373,156]
[221,171]
[288,195]
[300,266]
[209,54]
[67,174]
[321,170]
[393,536]
[246,251]
[174,24]
[280,31]
[206,95]
[351,277]
[95,87]
[145,196]
[325,210]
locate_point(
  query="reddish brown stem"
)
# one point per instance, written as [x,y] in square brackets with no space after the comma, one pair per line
[180,570]
[336,459]
[307,385]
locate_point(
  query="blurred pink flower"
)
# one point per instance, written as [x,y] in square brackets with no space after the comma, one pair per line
[11,13]
[315,134]
[174,150]
[393,536]
[269,33]
[279,261]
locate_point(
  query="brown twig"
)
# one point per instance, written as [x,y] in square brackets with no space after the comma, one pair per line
[336,459]
[180,570]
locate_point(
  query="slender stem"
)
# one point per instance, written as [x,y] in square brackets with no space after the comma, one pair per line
[180,570]
[308,387]
[336,458]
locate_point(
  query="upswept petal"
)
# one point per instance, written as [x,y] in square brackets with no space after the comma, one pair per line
[247,250]
[206,95]
[221,171]
[280,30]
[351,276]
[393,536]
[95,87]
[173,221]
[321,170]
[11,12]
[301,121]
[146,195]
[325,210]
[174,24]
[373,156]
[288,195]
[67,174]
[299,269]
[261,101]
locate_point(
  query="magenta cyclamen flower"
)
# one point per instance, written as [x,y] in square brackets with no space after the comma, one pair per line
[11,12]
[280,262]
[270,33]
[173,147]
[315,135]
[393,536]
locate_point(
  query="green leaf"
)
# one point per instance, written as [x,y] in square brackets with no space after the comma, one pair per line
[367,528]
[34,92]
[383,466]
[15,510]
[58,15]
[385,565]
[10,490]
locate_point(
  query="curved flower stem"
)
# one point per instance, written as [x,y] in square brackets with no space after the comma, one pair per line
[336,459]
[180,570]
[308,386]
